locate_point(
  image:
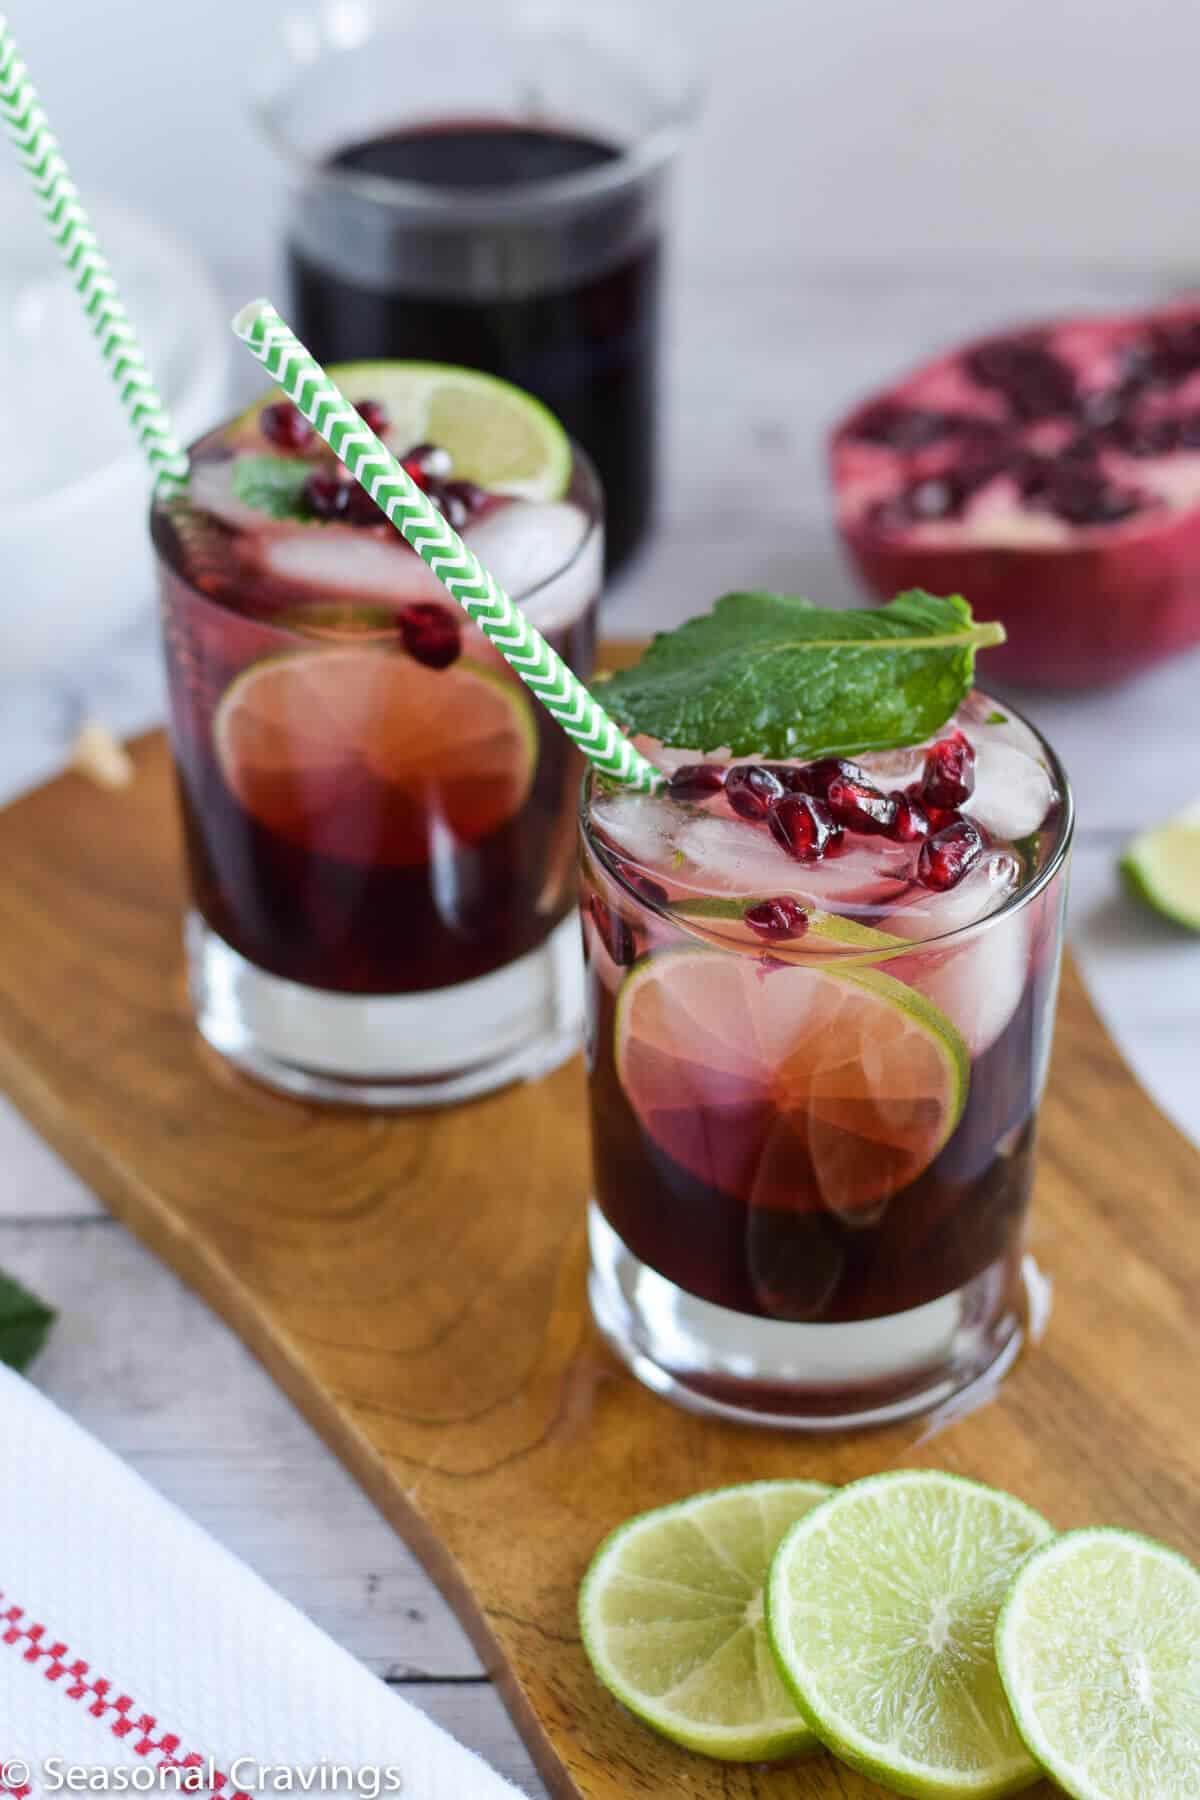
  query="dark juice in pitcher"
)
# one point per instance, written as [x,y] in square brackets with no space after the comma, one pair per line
[565,306]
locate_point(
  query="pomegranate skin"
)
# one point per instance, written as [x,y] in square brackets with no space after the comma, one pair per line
[1076,618]
[1103,603]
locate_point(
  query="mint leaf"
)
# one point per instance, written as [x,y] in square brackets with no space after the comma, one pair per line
[24,1322]
[272,484]
[774,675]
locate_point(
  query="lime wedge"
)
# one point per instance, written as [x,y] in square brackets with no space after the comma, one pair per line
[1163,868]
[671,1611]
[498,436]
[881,1608]
[314,743]
[845,1083]
[1099,1651]
[721,920]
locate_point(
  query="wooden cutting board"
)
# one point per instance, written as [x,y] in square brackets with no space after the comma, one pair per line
[416,1284]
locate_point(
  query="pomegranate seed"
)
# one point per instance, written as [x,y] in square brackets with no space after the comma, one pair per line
[615,932]
[651,890]
[431,459]
[457,499]
[906,428]
[910,822]
[326,496]
[696,781]
[945,857]
[949,776]
[360,508]
[793,776]
[1035,381]
[415,468]
[778,918]
[430,632]
[859,806]
[804,826]
[815,777]
[374,416]
[750,788]
[285,425]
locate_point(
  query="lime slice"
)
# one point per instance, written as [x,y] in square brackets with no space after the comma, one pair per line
[801,1089]
[1163,868]
[498,436]
[1099,1651]
[723,920]
[361,754]
[881,1606]
[672,1617]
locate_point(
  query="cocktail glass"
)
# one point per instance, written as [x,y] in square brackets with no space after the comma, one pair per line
[815,1085]
[378,818]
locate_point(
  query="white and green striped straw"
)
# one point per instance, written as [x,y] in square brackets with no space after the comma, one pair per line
[439,546]
[69,227]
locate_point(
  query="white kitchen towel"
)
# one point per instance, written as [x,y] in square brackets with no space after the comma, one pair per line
[132,1643]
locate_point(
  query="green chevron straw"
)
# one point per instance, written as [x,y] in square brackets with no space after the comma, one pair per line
[69,227]
[439,546]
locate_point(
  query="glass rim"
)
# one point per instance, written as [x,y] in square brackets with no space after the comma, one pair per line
[595,529]
[860,953]
[633,163]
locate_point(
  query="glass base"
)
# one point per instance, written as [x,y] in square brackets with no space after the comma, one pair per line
[810,1377]
[390,1050]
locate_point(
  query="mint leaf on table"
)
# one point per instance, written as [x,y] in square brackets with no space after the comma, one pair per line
[773,675]
[272,484]
[24,1322]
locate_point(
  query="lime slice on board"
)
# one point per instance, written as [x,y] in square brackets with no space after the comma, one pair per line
[1099,1651]
[671,1611]
[361,754]
[498,436]
[802,1088]
[881,1609]
[1163,868]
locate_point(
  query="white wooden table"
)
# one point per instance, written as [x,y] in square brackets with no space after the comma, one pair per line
[759,366]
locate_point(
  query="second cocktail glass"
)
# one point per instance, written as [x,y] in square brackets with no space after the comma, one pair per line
[817,1044]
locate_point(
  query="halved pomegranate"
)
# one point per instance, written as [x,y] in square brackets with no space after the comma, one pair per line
[1052,476]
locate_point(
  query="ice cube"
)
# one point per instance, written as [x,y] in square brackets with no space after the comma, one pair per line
[978,983]
[730,856]
[1013,790]
[890,769]
[668,759]
[532,548]
[925,913]
[343,559]
[981,716]
[727,856]
[639,826]
[210,489]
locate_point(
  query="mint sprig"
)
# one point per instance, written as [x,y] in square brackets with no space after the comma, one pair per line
[773,675]
[24,1323]
[272,484]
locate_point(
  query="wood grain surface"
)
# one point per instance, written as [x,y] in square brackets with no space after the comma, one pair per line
[416,1284]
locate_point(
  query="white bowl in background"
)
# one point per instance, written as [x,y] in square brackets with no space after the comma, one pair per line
[74,486]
